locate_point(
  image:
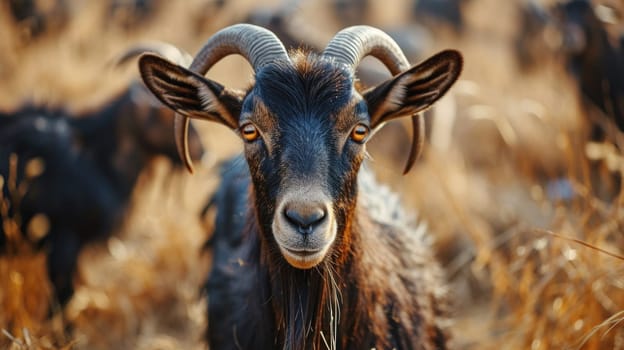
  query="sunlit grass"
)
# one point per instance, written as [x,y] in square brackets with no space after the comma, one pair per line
[531,245]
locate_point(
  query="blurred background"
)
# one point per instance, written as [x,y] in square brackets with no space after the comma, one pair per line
[519,184]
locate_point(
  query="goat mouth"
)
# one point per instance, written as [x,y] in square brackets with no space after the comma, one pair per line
[303,258]
[303,252]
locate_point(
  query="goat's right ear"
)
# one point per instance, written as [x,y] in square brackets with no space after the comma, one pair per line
[414,90]
[189,93]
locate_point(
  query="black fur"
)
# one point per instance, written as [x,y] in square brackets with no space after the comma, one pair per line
[89,176]
[363,277]
[385,301]
[598,66]
[256,299]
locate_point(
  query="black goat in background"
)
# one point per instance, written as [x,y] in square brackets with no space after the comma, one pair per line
[571,32]
[531,46]
[35,18]
[445,12]
[91,163]
[596,61]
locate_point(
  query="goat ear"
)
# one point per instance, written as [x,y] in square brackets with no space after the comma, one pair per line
[415,89]
[412,92]
[189,93]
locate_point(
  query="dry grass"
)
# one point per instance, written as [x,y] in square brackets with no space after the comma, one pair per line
[530,268]
[25,292]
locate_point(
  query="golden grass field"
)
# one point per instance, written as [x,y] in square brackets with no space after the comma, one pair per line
[527,270]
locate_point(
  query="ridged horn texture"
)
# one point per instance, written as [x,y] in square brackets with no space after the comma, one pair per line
[354,43]
[258,45]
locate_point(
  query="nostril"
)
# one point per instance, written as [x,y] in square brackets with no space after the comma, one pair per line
[305,218]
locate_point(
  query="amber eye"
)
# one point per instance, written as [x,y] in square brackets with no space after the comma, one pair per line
[359,133]
[250,132]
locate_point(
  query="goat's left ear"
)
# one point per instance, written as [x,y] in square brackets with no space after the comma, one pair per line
[189,93]
[415,89]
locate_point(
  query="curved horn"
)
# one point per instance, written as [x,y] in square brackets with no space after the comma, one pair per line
[354,43]
[258,45]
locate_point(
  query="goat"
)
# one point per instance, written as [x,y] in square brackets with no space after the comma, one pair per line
[92,163]
[35,17]
[130,14]
[595,61]
[280,20]
[350,12]
[309,251]
[530,44]
[445,12]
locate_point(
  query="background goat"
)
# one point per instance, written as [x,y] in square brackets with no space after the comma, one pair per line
[445,12]
[303,261]
[596,61]
[36,17]
[91,165]
[572,31]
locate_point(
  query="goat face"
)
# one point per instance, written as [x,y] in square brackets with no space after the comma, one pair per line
[305,127]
